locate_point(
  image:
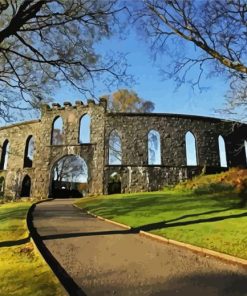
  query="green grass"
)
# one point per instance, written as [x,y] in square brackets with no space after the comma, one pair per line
[180,215]
[22,270]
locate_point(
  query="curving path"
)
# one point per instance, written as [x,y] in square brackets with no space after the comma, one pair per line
[103,259]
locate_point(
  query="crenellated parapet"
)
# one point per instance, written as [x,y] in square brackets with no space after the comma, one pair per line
[131,133]
[79,105]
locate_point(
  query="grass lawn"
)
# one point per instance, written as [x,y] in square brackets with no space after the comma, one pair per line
[212,221]
[22,270]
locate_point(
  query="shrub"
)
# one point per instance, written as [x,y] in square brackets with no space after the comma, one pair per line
[213,188]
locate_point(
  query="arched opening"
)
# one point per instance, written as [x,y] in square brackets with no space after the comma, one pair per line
[154,154]
[245,147]
[29,151]
[57,134]
[5,155]
[26,187]
[69,177]
[2,182]
[115,148]
[191,151]
[114,184]
[222,152]
[84,129]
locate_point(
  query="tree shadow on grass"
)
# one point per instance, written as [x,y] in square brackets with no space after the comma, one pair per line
[13,214]
[167,224]
[15,242]
[157,204]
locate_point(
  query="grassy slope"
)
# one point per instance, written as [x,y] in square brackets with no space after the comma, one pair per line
[227,235]
[22,270]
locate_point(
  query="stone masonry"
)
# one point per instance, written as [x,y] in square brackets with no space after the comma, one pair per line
[136,174]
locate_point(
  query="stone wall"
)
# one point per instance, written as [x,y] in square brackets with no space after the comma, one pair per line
[135,173]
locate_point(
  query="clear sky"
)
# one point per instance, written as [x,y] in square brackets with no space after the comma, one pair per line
[150,85]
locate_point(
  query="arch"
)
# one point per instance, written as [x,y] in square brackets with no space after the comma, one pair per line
[115,148]
[29,151]
[245,147]
[114,184]
[5,155]
[154,151]
[85,129]
[69,177]
[222,151]
[191,149]
[26,187]
[57,134]
[2,183]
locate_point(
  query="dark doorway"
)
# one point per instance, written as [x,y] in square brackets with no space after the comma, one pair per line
[1,186]
[26,187]
[114,185]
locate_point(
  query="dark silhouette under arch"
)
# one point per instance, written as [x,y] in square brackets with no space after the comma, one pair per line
[26,187]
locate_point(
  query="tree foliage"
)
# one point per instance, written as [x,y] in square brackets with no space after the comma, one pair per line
[125,100]
[216,27]
[44,44]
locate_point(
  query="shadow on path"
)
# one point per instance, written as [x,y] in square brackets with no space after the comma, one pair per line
[224,284]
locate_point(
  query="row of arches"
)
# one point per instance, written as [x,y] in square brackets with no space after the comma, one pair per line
[58,135]
[28,153]
[154,149]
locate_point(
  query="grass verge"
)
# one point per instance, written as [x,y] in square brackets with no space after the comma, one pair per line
[22,270]
[213,221]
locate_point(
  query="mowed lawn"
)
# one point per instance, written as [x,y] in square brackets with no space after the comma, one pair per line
[212,221]
[22,270]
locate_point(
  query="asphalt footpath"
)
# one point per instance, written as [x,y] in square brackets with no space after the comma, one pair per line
[95,257]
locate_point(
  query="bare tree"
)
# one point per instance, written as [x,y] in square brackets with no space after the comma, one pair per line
[45,44]
[216,27]
[70,169]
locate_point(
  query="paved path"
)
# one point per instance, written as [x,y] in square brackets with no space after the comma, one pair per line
[104,259]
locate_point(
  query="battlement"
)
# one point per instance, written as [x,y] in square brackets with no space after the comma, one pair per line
[87,130]
[78,105]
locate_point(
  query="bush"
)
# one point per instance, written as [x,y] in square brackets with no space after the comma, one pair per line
[213,188]
[234,180]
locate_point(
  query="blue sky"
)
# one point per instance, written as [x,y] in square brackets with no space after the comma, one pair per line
[150,85]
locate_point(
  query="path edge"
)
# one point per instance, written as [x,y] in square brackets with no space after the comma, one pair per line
[31,230]
[195,249]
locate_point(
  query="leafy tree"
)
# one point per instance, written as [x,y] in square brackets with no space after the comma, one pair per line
[44,44]
[125,100]
[216,27]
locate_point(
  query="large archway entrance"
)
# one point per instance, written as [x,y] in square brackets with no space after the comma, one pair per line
[69,177]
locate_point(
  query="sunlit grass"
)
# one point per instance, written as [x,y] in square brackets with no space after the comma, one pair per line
[181,215]
[22,270]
